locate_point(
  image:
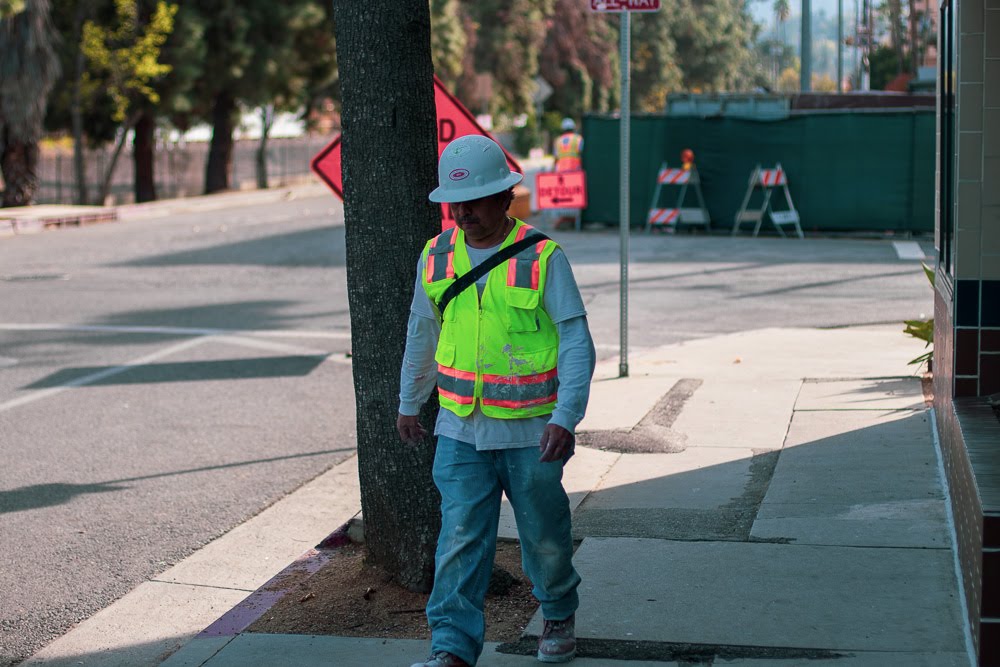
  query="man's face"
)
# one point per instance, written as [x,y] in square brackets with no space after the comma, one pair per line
[484,220]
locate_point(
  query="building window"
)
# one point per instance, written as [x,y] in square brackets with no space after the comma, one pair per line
[946,147]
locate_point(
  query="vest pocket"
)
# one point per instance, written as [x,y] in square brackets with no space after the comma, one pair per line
[445,354]
[521,306]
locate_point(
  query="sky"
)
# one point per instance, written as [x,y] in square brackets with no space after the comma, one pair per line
[763,10]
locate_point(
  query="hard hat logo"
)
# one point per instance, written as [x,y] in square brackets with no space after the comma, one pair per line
[465,173]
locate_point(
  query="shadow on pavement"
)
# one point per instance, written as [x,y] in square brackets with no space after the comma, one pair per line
[188,371]
[311,248]
[58,493]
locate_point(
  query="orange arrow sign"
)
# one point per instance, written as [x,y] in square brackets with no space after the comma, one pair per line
[561,189]
[453,121]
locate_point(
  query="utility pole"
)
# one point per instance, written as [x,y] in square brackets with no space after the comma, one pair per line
[805,70]
[840,46]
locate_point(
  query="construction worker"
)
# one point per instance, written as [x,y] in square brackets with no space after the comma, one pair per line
[512,358]
[568,151]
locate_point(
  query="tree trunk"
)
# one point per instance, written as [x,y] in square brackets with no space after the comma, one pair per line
[389,158]
[142,157]
[76,110]
[266,121]
[220,152]
[109,172]
[19,164]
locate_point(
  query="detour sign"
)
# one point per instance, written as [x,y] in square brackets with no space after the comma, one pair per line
[561,189]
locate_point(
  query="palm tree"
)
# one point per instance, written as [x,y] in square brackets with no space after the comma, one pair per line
[782,10]
[28,69]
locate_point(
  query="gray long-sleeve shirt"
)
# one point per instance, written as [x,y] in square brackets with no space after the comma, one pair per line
[562,302]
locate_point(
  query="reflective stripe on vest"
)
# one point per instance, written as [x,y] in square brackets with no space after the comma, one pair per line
[523,268]
[459,386]
[441,257]
[520,391]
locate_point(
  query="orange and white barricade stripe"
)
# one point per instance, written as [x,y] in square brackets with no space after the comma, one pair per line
[667,219]
[766,181]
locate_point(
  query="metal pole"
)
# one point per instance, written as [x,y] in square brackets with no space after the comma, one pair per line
[840,46]
[623,210]
[805,72]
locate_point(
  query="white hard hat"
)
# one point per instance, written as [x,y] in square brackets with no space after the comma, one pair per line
[568,124]
[472,167]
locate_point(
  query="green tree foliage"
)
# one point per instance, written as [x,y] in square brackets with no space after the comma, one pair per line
[124,57]
[655,64]
[579,58]
[884,65]
[29,67]
[10,7]
[511,33]
[255,52]
[713,40]
[448,40]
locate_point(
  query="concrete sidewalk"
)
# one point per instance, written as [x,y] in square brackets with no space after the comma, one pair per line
[786,508]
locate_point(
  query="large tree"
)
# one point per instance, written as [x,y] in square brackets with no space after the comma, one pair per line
[124,54]
[29,67]
[714,45]
[252,47]
[511,33]
[579,58]
[389,157]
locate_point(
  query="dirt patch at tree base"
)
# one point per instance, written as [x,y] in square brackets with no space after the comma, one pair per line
[348,597]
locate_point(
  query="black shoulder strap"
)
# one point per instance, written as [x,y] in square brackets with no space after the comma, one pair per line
[466,279]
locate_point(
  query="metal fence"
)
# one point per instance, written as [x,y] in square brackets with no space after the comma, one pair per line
[179,169]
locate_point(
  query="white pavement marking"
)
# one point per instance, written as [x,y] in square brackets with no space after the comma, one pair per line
[179,331]
[100,375]
[7,361]
[908,250]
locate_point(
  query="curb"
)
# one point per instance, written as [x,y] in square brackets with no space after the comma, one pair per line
[258,603]
[33,224]
[24,220]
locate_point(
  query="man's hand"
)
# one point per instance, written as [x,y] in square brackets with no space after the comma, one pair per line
[411,431]
[557,444]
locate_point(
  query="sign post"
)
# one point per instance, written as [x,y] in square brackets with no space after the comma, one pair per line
[624,7]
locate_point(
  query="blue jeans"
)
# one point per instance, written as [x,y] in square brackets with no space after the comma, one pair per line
[471,483]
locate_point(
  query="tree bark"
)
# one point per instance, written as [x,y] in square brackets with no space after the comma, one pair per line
[143,152]
[266,121]
[19,163]
[220,152]
[389,167]
[109,172]
[76,110]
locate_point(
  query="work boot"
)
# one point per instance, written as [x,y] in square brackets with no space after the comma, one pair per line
[442,659]
[558,641]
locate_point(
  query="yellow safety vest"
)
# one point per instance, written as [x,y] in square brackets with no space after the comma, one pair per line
[499,350]
[568,152]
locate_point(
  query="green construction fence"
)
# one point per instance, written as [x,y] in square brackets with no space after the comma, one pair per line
[847,171]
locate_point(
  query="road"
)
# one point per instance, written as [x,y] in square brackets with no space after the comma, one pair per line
[161,381]
[164,379]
